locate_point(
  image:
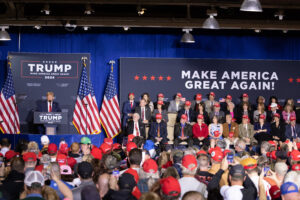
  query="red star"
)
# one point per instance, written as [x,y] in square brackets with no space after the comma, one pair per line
[160,78]
[144,77]
[298,80]
[291,80]
[136,77]
[152,78]
[169,78]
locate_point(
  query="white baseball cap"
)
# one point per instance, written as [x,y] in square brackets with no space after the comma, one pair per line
[45,140]
[34,177]
[273,105]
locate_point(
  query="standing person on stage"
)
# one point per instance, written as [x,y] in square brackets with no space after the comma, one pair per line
[47,106]
[209,104]
[144,111]
[149,103]
[128,109]
[176,104]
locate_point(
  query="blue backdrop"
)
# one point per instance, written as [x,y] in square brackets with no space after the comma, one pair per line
[107,46]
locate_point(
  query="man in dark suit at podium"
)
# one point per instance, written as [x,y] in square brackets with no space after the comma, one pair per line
[47,106]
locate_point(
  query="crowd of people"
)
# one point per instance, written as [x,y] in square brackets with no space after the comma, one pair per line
[219,151]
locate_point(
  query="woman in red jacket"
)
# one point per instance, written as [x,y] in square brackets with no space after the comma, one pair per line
[200,132]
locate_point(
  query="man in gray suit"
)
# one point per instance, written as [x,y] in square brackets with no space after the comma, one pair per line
[292,130]
[217,112]
[209,104]
[176,104]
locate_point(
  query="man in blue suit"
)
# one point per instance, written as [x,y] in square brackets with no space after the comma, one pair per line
[128,109]
[158,130]
[292,130]
[47,106]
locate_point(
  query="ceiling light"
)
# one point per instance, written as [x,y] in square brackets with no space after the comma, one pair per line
[46,9]
[4,36]
[257,30]
[86,28]
[211,22]
[279,14]
[126,28]
[187,37]
[251,6]
[284,31]
[37,27]
[88,9]
[70,26]
[141,11]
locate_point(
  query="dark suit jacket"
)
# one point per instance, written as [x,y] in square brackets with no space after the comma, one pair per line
[288,131]
[163,131]
[130,128]
[270,115]
[164,107]
[187,130]
[43,107]
[192,115]
[223,106]
[147,112]
[126,110]
[239,115]
[278,131]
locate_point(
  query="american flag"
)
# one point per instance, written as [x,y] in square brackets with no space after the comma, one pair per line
[9,116]
[86,116]
[110,110]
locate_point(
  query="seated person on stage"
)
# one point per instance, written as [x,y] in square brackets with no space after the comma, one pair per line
[201,111]
[143,111]
[158,131]
[183,132]
[135,126]
[260,111]
[262,130]
[244,110]
[230,129]
[160,97]
[278,129]
[176,104]
[245,99]
[246,130]
[218,113]
[292,130]
[196,102]
[273,99]
[215,130]
[209,104]
[48,106]
[200,132]
[272,112]
[230,110]
[287,113]
[188,112]
[128,109]
[160,109]
[224,105]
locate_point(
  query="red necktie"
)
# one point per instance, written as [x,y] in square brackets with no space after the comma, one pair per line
[50,107]
[143,114]
[131,104]
[182,133]
[158,131]
[137,130]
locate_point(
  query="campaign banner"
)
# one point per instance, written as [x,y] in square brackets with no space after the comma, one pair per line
[35,74]
[50,117]
[222,76]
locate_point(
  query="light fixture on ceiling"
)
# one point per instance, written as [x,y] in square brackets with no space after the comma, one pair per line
[251,6]
[187,37]
[141,11]
[37,27]
[70,25]
[46,9]
[284,31]
[257,30]
[4,36]
[88,9]
[126,28]
[86,28]
[211,22]
[279,14]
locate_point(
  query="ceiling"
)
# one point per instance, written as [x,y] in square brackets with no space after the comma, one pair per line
[159,13]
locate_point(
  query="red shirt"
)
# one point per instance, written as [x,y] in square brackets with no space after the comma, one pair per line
[200,132]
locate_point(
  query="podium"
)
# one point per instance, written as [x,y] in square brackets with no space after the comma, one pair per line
[50,120]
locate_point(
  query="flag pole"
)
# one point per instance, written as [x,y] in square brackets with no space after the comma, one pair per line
[83,59]
[112,62]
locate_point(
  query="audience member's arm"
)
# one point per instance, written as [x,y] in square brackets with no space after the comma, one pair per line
[63,188]
[214,183]
[262,192]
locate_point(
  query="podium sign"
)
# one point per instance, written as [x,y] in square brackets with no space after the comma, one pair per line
[50,118]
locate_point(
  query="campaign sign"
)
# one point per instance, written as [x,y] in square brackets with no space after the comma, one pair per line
[35,74]
[50,118]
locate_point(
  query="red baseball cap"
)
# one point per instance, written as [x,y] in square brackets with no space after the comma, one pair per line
[200,117]
[170,186]
[189,162]
[295,155]
[217,155]
[29,156]
[212,94]
[131,93]
[160,103]
[105,148]
[97,153]
[184,117]
[10,154]
[272,155]
[245,95]
[158,116]
[130,137]
[130,146]
[262,117]
[296,167]
[217,105]
[187,103]
[179,94]
[39,168]
[63,149]
[272,143]
[150,166]
[217,133]
[61,159]
[199,97]
[225,152]
[231,134]
[277,115]
[229,97]
[52,149]
[134,173]
[71,162]
[200,152]
[275,192]
[108,141]
[292,118]
[116,146]
[160,95]
[245,117]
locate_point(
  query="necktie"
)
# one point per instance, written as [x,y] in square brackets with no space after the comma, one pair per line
[182,133]
[158,130]
[294,131]
[50,107]
[143,114]
[137,130]
[131,104]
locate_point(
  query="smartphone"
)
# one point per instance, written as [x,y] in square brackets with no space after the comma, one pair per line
[116,173]
[230,157]
[266,170]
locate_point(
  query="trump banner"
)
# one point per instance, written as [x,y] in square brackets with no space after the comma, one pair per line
[222,76]
[35,74]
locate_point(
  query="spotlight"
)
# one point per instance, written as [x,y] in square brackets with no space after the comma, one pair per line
[284,31]
[187,37]
[70,26]
[251,6]
[86,28]
[257,30]
[211,22]
[279,14]
[37,27]
[88,9]
[126,28]
[4,36]
[141,11]
[46,9]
